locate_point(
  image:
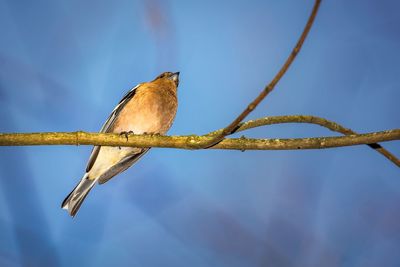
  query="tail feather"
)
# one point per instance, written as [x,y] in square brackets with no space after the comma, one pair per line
[74,200]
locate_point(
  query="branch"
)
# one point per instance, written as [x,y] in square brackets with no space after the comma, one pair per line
[192,141]
[231,127]
[333,126]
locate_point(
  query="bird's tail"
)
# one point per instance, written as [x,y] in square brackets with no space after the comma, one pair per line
[74,200]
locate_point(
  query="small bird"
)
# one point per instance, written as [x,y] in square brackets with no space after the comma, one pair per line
[149,107]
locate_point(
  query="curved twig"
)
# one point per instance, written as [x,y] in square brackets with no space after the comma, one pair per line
[333,126]
[232,126]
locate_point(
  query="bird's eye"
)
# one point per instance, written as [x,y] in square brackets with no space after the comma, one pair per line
[164,75]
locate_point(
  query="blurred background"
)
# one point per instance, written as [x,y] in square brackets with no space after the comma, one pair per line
[64,65]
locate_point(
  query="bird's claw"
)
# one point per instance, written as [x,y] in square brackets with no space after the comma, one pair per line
[126,134]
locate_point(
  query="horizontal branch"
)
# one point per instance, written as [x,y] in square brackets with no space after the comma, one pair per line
[192,142]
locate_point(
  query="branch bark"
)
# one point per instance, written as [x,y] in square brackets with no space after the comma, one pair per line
[192,141]
[195,142]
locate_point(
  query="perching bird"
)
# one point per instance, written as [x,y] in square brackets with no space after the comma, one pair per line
[149,107]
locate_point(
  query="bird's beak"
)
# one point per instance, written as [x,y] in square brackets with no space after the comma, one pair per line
[175,78]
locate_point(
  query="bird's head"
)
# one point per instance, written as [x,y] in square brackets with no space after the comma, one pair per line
[170,76]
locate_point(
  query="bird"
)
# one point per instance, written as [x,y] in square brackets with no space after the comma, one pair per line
[150,108]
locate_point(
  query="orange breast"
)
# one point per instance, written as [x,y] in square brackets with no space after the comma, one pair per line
[151,110]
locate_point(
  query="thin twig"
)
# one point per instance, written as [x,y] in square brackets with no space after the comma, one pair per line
[231,127]
[333,126]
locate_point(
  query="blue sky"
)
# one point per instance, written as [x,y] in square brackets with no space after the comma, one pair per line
[65,65]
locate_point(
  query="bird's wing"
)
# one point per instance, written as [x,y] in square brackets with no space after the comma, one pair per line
[122,165]
[109,123]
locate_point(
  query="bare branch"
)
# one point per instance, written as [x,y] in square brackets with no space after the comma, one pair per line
[192,142]
[333,126]
[195,142]
[231,127]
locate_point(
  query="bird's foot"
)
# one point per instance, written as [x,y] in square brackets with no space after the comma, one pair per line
[126,134]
